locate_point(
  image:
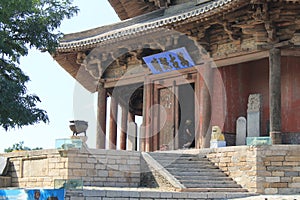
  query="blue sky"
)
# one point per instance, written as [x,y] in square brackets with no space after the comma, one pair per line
[61,96]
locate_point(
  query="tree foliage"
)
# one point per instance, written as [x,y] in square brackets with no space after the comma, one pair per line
[20,147]
[26,24]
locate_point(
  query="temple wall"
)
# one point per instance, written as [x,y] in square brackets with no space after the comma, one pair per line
[241,80]
[36,168]
[95,167]
[264,170]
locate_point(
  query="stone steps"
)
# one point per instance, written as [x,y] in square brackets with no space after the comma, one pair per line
[204,168]
[211,184]
[222,190]
[146,194]
[220,181]
[196,173]
[202,178]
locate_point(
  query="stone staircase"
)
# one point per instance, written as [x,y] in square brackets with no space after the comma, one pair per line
[195,173]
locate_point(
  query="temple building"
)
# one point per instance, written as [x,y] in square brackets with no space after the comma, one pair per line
[188,65]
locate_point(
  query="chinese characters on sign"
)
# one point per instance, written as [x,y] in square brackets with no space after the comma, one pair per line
[169,61]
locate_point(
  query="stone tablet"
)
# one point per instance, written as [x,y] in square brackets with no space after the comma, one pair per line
[241,127]
[254,115]
[132,134]
[3,166]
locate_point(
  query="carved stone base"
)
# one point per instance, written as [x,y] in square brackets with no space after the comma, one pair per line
[83,138]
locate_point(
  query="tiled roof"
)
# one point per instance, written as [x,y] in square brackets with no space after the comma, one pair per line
[127,28]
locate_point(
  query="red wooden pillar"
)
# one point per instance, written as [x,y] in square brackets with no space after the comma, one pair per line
[123,134]
[275,95]
[113,123]
[146,132]
[205,87]
[101,117]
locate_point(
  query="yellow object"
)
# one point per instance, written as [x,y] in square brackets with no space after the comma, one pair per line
[217,134]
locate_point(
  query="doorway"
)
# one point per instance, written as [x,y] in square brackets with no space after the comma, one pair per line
[176,116]
[186,116]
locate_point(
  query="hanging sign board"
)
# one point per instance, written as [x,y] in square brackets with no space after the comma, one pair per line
[169,61]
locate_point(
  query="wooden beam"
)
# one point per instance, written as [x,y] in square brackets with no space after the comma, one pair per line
[241,58]
[126,80]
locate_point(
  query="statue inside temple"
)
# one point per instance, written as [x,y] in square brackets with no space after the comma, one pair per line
[188,134]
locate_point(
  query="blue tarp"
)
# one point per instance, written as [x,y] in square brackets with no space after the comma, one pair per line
[32,194]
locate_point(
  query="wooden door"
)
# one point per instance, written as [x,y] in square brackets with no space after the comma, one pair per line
[166,117]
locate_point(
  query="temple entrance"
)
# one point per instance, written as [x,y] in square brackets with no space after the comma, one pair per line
[186,116]
[175,119]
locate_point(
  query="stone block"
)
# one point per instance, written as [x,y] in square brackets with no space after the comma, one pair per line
[216,195]
[109,184]
[121,161]
[272,179]
[60,165]
[290,173]
[277,173]
[278,185]
[294,185]
[271,191]
[91,160]
[79,172]
[133,162]
[88,166]
[291,164]
[102,173]
[286,179]
[63,172]
[296,179]
[166,195]
[277,163]
[180,195]
[293,158]
[74,166]
[92,172]
[150,194]
[131,194]
[289,190]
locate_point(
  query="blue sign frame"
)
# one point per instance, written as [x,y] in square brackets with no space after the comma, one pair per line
[32,194]
[169,61]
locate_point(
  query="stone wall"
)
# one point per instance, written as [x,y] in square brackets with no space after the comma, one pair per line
[264,169]
[95,167]
[36,168]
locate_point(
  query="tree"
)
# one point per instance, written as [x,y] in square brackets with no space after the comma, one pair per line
[20,147]
[26,24]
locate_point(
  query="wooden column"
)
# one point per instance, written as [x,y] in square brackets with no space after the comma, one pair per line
[144,132]
[131,117]
[132,133]
[101,117]
[275,95]
[113,123]
[206,84]
[123,134]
